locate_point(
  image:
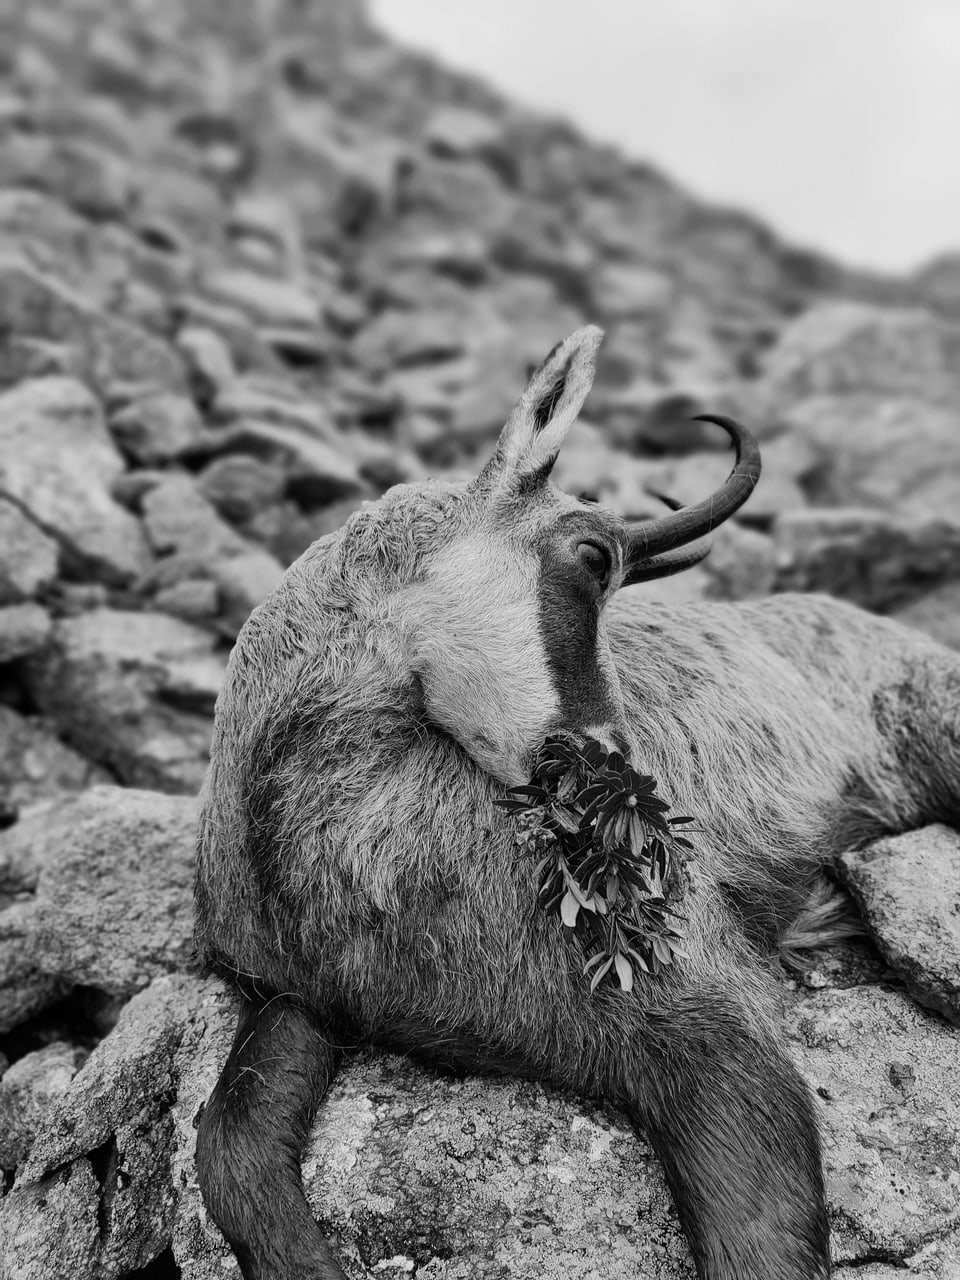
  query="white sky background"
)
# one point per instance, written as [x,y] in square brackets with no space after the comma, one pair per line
[838,121]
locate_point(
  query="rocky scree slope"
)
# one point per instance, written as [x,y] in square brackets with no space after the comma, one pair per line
[257,264]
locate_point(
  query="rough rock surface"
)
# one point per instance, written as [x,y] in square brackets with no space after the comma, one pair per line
[57,462]
[908,890]
[133,691]
[104,884]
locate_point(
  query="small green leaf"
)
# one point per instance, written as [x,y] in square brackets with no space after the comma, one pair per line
[569,909]
[601,973]
[624,972]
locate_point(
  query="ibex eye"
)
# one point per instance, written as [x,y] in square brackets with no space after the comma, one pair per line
[597,560]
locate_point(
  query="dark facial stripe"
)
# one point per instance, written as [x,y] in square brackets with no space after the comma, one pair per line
[569,615]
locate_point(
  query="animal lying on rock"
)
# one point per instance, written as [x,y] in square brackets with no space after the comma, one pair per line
[357,883]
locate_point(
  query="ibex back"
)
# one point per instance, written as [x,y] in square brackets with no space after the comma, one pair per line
[356,882]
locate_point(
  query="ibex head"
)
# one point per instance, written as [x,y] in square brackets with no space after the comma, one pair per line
[505,626]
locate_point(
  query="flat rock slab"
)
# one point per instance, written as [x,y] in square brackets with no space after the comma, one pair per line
[886,1075]
[908,889]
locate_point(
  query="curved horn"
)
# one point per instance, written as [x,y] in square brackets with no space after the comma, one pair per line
[663,566]
[650,538]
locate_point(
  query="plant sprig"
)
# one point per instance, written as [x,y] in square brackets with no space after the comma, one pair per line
[610,863]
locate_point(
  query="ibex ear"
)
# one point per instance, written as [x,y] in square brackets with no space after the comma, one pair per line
[529,443]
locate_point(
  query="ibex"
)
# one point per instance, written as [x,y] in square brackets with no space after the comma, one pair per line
[357,883]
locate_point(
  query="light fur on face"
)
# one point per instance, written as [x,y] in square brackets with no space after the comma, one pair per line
[472,636]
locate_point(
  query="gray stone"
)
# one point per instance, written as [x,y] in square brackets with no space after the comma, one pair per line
[195,599]
[52,1228]
[936,612]
[35,765]
[741,564]
[316,471]
[29,560]
[876,560]
[134,692]
[108,350]
[897,455]
[239,486]
[27,1091]
[283,303]
[25,988]
[112,907]
[841,347]
[57,462]
[885,1074]
[156,428]
[199,545]
[208,359]
[908,891]
[460,131]
[24,628]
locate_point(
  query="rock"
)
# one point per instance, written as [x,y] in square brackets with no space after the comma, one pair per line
[885,1073]
[112,906]
[36,765]
[134,692]
[622,290]
[899,456]
[26,1092]
[107,350]
[939,283]
[52,1229]
[316,471]
[178,519]
[57,462]
[400,1162]
[25,988]
[156,428]
[195,599]
[199,545]
[850,348]
[24,629]
[239,486]
[281,303]
[29,561]
[117,1110]
[908,890]
[875,560]
[208,359]
[459,131]
[86,177]
[741,564]
[936,612]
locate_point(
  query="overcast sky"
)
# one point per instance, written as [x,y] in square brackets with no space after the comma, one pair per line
[836,120]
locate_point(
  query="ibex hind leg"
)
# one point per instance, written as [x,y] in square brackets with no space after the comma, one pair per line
[250,1139]
[734,1126]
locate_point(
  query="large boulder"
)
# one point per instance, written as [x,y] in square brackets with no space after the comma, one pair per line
[102,889]
[134,692]
[104,350]
[908,891]
[455,1178]
[874,392]
[57,462]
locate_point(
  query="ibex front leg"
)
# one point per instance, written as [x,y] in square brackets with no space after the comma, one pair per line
[251,1135]
[733,1124]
